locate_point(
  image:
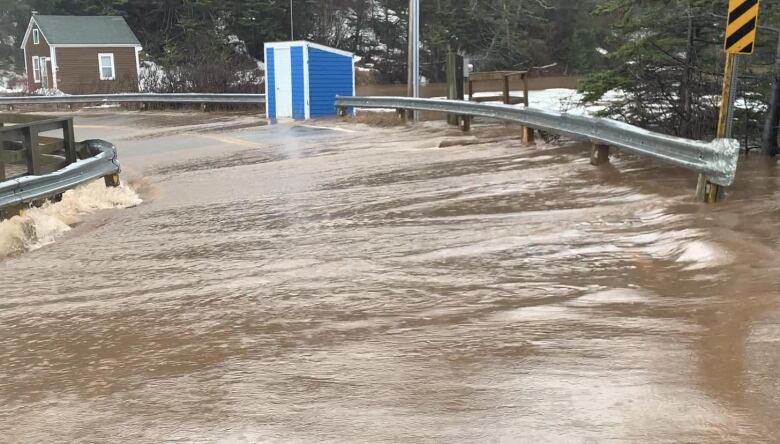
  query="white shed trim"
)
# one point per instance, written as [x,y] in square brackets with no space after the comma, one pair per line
[309,45]
[306,98]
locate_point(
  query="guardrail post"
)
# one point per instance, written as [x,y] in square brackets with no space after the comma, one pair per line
[464,123]
[401,113]
[2,161]
[708,192]
[528,135]
[341,111]
[525,90]
[32,150]
[599,154]
[2,155]
[9,212]
[69,140]
[203,107]
[112,181]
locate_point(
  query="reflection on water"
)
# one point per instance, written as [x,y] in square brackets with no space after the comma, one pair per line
[370,286]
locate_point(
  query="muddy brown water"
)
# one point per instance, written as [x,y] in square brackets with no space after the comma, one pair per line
[347,283]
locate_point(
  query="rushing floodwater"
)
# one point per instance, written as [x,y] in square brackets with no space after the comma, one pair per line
[398,284]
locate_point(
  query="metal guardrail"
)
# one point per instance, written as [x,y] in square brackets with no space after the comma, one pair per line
[716,160]
[43,167]
[137,98]
[24,190]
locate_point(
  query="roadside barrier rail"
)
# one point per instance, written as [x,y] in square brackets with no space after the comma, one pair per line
[716,160]
[34,167]
[143,98]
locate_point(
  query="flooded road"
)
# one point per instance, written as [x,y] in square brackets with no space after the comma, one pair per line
[347,283]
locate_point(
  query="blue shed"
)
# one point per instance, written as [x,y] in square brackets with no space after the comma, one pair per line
[304,78]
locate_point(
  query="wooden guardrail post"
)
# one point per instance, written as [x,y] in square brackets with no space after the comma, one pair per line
[112,181]
[30,135]
[599,154]
[69,140]
[2,160]
[528,135]
[525,89]
[2,155]
[464,123]
[454,81]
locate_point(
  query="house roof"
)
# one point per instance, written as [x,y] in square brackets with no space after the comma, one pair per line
[85,30]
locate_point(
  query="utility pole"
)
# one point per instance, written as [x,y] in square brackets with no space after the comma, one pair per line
[414,52]
[292,33]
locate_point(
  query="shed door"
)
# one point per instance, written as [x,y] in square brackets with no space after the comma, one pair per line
[283,81]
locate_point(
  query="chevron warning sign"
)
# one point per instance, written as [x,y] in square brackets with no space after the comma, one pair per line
[742,26]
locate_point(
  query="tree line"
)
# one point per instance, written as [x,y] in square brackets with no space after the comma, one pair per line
[664,55]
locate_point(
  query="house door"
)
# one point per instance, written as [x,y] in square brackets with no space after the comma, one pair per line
[283,80]
[44,72]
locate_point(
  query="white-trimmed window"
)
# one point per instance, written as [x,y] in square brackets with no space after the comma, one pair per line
[106,66]
[36,62]
[36,37]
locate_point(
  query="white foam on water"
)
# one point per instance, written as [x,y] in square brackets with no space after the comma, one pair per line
[39,227]
[701,254]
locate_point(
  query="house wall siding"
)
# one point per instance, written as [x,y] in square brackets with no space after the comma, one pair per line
[40,50]
[330,75]
[79,70]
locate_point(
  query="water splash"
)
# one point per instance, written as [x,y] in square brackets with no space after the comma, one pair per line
[39,227]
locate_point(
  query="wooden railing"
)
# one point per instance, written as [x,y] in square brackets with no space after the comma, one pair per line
[25,151]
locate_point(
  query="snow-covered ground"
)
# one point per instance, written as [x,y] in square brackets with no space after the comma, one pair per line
[559,100]
[11,82]
[565,100]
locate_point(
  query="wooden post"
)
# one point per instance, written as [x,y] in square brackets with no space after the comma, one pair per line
[471,90]
[506,90]
[9,212]
[528,135]
[454,82]
[112,181]
[203,107]
[599,154]
[69,141]
[525,89]
[32,150]
[464,122]
[341,111]
[401,113]
[2,161]
[705,190]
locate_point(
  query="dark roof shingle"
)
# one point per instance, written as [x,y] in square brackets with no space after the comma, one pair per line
[86,30]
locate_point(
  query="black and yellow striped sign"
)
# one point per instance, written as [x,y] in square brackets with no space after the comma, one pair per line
[742,26]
